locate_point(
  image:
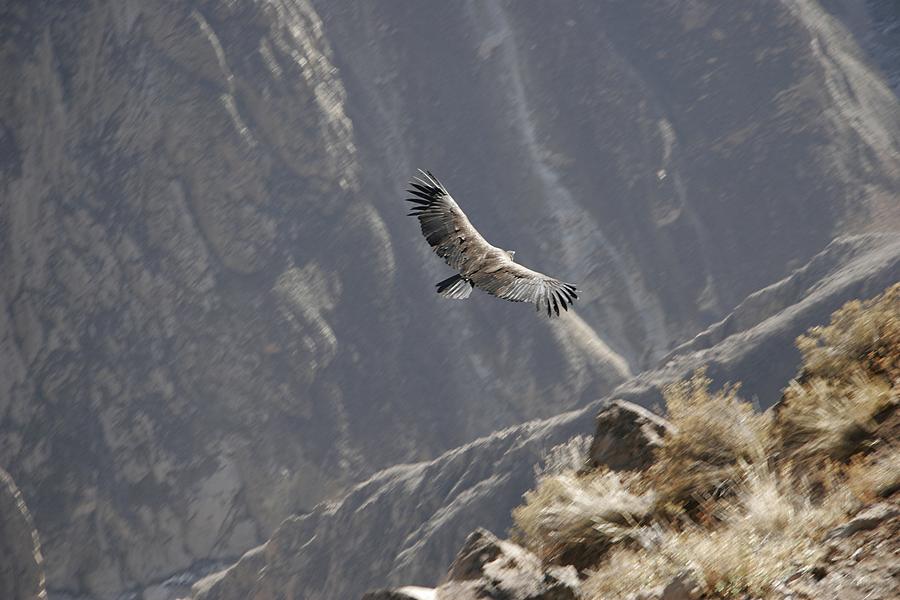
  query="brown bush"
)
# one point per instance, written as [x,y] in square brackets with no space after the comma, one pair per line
[716,432]
[849,383]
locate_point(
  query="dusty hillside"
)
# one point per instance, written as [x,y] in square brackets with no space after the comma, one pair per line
[215,314]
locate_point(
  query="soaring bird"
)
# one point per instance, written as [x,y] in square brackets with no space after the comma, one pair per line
[453,238]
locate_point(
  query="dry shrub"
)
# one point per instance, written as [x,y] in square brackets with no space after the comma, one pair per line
[572,519]
[715,432]
[848,383]
[862,335]
[766,531]
[875,475]
[833,419]
[564,458]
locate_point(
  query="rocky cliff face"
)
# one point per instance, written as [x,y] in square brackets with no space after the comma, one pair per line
[214,310]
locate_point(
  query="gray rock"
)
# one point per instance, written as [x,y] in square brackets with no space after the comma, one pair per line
[480,548]
[404,593]
[626,436]
[681,587]
[487,567]
[866,519]
[21,561]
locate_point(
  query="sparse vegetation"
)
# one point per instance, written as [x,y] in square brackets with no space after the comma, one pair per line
[716,432]
[737,499]
[571,518]
[564,457]
[849,381]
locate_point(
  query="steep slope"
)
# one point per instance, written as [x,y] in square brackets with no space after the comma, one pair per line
[214,313]
[403,526]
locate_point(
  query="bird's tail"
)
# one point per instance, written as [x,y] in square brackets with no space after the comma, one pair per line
[454,287]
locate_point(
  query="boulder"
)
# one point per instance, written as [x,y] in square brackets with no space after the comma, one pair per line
[481,547]
[410,592]
[487,567]
[626,436]
[681,587]
[864,520]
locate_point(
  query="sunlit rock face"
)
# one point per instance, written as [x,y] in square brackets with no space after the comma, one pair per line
[215,313]
[22,568]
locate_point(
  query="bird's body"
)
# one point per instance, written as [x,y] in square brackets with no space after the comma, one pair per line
[478,263]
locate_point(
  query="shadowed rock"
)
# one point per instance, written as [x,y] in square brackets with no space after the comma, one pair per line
[626,436]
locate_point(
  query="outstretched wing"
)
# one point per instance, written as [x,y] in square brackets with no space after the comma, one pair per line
[453,238]
[511,281]
[444,224]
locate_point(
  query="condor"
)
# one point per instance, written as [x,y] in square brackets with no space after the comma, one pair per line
[479,264]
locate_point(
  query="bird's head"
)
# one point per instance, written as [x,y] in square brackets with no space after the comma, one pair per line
[511,254]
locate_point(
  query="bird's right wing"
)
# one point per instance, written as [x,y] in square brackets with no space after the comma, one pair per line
[444,224]
[516,283]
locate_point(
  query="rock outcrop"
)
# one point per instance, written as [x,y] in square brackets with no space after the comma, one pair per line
[626,437]
[490,568]
[212,306]
[21,561]
[401,527]
[409,592]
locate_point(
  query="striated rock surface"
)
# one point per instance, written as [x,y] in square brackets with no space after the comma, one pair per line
[21,561]
[161,395]
[402,526]
[214,313]
[870,518]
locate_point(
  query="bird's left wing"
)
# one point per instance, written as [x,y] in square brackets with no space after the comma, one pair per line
[511,281]
[444,224]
